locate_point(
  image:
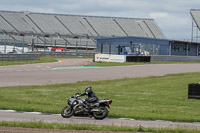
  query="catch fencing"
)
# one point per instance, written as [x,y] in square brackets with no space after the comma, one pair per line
[18,57]
[175,58]
[37,55]
[60,54]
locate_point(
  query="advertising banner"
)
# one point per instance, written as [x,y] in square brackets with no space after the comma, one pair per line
[110,58]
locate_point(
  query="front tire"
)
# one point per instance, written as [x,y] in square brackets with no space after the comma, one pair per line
[101,114]
[67,112]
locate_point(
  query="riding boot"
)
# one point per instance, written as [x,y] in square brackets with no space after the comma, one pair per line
[88,106]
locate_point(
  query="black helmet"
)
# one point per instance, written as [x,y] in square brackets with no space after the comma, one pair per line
[88,90]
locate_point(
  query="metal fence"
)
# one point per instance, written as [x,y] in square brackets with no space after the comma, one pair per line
[8,43]
[18,57]
[164,58]
[175,58]
[60,54]
[36,55]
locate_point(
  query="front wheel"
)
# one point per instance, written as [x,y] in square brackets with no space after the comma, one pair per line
[67,112]
[101,114]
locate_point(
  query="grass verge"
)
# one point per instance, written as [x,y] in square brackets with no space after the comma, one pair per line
[138,63]
[152,98]
[54,59]
[42,60]
[42,125]
[74,57]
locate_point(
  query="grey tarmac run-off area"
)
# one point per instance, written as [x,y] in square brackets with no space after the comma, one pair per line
[31,117]
[46,73]
[32,130]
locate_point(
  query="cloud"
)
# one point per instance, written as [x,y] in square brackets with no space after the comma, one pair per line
[158,15]
[173,17]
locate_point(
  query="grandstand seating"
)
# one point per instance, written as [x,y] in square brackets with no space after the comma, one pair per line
[70,29]
[196,16]
[131,28]
[112,27]
[72,23]
[4,26]
[154,29]
[17,22]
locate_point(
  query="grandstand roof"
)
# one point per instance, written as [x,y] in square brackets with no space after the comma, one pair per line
[195,13]
[76,25]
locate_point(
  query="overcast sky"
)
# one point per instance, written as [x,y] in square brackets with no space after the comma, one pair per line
[172,16]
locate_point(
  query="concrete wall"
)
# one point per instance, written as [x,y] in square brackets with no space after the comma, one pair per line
[175,58]
[18,57]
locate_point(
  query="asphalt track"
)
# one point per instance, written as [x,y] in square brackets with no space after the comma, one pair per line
[53,73]
[56,118]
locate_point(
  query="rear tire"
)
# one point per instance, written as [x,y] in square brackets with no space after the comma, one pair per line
[101,114]
[67,112]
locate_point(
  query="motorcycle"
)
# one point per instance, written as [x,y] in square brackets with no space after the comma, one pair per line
[77,107]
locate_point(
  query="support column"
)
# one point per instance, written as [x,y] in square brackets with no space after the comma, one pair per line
[55,45]
[192,30]
[170,48]
[23,44]
[44,44]
[4,47]
[33,45]
[87,46]
[76,46]
[109,48]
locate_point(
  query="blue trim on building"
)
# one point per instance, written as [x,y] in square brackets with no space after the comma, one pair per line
[152,46]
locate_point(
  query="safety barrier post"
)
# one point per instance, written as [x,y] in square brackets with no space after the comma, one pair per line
[38,56]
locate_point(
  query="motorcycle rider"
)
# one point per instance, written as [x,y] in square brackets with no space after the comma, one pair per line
[91,96]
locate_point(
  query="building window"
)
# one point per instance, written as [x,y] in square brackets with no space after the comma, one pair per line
[175,48]
[188,49]
[120,49]
[184,49]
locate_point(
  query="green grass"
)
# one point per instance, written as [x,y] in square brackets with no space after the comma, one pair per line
[54,59]
[42,125]
[138,63]
[152,98]
[74,57]
[42,60]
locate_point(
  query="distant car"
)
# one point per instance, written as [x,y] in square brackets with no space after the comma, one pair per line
[58,49]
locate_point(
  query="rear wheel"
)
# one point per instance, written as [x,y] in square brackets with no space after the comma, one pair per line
[101,114]
[67,112]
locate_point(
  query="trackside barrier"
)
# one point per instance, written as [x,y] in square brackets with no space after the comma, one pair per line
[58,54]
[174,58]
[194,90]
[153,58]
[18,57]
[163,58]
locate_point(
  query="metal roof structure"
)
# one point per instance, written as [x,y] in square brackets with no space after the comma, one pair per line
[196,16]
[195,13]
[23,24]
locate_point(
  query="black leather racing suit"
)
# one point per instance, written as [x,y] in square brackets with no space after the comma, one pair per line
[91,98]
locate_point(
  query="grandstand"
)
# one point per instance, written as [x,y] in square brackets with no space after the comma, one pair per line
[195,13]
[71,30]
